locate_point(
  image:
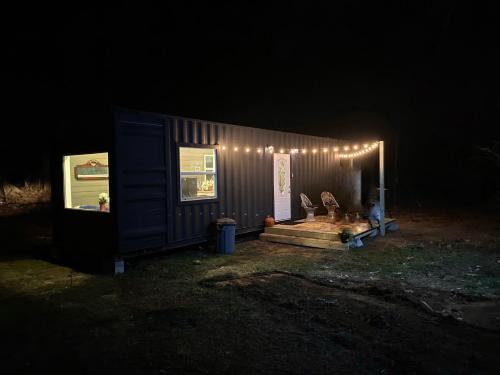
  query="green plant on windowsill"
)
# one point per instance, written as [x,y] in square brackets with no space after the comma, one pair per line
[103,201]
[103,198]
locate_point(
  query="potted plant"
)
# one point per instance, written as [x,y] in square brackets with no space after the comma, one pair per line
[103,201]
[346,234]
[269,221]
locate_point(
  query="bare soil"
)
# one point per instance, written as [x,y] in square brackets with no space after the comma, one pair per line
[425,299]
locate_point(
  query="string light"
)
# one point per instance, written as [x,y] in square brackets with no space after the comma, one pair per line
[366,149]
[357,150]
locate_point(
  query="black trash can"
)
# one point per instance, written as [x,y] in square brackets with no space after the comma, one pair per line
[226,232]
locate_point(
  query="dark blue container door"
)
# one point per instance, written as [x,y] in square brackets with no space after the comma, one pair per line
[141,164]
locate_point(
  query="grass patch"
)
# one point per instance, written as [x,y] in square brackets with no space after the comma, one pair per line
[28,193]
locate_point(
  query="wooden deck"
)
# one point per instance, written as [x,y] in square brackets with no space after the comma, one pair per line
[322,233]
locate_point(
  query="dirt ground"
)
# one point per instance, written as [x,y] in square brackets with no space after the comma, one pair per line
[425,299]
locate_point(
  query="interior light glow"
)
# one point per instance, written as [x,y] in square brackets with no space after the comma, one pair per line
[223,147]
[236,149]
[335,149]
[259,150]
[325,150]
[304,150]
[281,151]
[247,149]
[314,151]
[346,148]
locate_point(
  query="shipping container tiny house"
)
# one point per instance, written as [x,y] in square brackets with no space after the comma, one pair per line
[137,182]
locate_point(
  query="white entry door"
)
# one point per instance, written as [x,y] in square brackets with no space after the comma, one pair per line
[282,189]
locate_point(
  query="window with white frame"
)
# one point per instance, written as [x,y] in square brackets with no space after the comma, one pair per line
[198,173]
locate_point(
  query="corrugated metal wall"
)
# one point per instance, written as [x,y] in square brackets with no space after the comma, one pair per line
[245,179]
[141,173]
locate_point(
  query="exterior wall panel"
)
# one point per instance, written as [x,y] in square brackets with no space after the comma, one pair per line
[141,183]
[245,180]
[79,233]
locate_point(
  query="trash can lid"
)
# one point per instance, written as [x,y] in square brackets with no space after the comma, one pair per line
[225,221]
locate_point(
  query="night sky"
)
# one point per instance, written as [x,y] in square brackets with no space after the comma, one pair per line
[421,75]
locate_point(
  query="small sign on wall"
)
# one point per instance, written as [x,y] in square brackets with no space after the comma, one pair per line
[92,170]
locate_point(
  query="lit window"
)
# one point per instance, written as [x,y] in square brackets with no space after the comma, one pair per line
[198,173]
[86,182]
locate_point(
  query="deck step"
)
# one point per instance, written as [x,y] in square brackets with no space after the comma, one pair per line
[286,230]
[304,241]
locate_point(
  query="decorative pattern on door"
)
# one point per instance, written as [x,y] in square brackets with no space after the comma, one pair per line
[282,197]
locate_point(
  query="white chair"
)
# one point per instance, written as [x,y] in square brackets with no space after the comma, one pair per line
[308,207]
[330,204]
